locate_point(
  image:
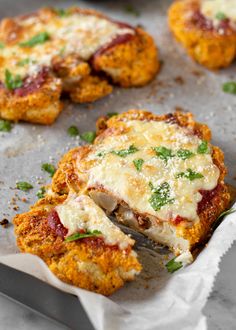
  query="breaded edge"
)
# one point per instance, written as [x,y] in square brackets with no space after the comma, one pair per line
[208,48]
[86,263]
[42,106]
[67,176]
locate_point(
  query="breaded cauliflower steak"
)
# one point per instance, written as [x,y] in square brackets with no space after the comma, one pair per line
[212,47]
[73,175]
[88,263]
[78,52]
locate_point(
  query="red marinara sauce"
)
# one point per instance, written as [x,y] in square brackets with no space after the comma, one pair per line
[204,23]
[56,225]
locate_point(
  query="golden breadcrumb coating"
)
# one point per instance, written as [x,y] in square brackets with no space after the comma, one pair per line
[41,107]
[207,47]
[128,63]
[69,175]
[90,89]
[86,263]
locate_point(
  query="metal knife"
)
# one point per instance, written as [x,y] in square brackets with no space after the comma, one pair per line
[43,298]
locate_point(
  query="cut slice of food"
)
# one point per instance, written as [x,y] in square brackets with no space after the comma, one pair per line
[80,52]
[78,242]
[158,174]
[207,29]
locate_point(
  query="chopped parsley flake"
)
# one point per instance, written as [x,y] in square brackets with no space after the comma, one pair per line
[229,87]
[88,136]
[112,114]
[38,39]
[62,50]
[12,82]
[190,174]
[132,10]
[184,154]
[62,12]
[101,154]
[125,152]
[203,148]
[163,153]
[22,185]
[172,265]
[23,62]
[73,131]
[138,163]
[41,192]
[49,168]
[77,236]
[221,217]
[5,125]
[2,45]
[160,196]
[221,16]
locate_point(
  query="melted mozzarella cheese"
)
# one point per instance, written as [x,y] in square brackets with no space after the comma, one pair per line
[81,212]
[74,34]
[211,8]
[119,176]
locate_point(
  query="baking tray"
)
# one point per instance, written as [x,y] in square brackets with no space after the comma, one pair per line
[181,84]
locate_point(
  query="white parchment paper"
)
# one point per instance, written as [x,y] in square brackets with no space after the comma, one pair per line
[170,300]
[156,300]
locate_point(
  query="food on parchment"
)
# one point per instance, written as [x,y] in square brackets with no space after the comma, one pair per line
[78,242]
[158,174]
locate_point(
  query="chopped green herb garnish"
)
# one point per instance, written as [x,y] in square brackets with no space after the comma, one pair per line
[22,185]
[227,212]
[41,192]
[190,174]
[62,50]
[160,196]
[2,45]
[88,136]
[12,82]
[125,152]
[229,87]
[5,125]
[73,131]
[49,168]
[184,154]
[101,154]
[221,217]
[39,38]
[138,163]
[111,114]
[62,12]
[172,265]
[77,236]
[221,16]
[163,153]
[23,62]
[203,148]
[132,10]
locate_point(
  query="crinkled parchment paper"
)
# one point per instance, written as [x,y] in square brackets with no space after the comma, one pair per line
[157,300]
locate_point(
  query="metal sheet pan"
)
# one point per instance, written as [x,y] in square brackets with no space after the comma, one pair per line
[180,84]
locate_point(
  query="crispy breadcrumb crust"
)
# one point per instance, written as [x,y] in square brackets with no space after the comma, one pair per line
[207,47]
[68,176]
[41,107]
[86,263]
[131,63]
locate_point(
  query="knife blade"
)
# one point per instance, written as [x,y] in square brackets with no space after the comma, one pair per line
[43,298]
